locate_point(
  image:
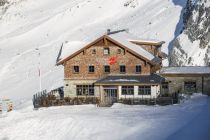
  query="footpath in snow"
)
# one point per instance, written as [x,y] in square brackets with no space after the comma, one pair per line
[186,121]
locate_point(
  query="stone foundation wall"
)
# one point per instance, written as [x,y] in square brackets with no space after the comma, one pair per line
[177,84]
[70,87]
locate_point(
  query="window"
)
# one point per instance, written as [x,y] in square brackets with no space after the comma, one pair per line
[119,51]
[122,69]
[165,85]
[127,90]
[138,68]
[85,90]
[190,86]
[76,69]
[144,90]
[106,51]
[107,69]
[91,69]
[94,51]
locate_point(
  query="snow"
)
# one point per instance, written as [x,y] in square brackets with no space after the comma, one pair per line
[192,51]
[125,80]
[123,38]
[71,47]
[189,120]
[146,40]
[27,25]
[186,70]
[31,27]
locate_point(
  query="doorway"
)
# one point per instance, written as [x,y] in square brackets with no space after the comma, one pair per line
[110,94]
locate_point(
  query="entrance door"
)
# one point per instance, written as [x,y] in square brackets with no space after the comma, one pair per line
[110,95]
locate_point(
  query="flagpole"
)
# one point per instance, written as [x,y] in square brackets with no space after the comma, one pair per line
[39,68]
[40,74]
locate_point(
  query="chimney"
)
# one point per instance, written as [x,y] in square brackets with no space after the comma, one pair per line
[108,31]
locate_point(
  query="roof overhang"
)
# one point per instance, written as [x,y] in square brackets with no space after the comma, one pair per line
[154,61]
[153,43]
[186,75]
[185,71]
[153,79]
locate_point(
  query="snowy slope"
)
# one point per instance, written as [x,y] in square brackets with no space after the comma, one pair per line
[29,27]
[187,121]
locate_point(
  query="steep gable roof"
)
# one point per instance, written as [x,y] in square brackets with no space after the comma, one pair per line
[124,39]
[121,39]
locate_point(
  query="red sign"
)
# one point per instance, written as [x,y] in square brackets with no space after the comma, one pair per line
[112,60]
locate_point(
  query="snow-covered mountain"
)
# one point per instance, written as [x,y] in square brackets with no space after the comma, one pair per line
[192,46]
[29,27]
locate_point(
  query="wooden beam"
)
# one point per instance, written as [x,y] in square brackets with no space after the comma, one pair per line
[105,41]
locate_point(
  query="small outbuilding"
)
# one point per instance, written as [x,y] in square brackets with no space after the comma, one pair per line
[191,79]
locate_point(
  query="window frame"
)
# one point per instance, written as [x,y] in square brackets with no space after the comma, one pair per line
[191,89]
[74,69]
[93,51]
[108,49]
[144,90]
[119,51]
[140,71]
[85,90]
[91,69]
[127,90]
[107,66]
[124,69]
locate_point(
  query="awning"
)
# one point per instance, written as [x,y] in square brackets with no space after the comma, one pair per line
[153,79]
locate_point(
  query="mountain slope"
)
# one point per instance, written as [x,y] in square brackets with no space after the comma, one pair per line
[192,47]
[31,27]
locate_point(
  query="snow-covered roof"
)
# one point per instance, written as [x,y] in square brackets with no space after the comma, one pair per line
[147,41]
[71,48]
[124,39]
[185,70]
[131,79]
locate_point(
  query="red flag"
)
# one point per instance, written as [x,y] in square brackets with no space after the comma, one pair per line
[112,60]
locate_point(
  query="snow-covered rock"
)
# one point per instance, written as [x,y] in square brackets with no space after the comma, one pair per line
[192,46]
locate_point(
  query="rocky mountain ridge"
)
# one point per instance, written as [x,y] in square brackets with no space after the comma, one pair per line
[192,46]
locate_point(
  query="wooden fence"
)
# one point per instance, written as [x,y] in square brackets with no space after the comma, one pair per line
[37,98]
[56,98]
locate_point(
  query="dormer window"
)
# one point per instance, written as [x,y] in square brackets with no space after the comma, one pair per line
[106,51]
